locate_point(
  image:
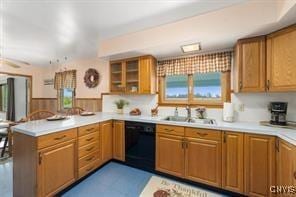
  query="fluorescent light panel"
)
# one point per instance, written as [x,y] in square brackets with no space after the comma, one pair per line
[191,47]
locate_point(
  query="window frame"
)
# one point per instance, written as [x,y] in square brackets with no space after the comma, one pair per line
[61,99]
[3,108]
[225,94]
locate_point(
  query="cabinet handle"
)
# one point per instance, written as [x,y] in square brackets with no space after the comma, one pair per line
[89,169]
[169,130]
[294,175]
[277,145]
[59,138]
[268,85]
[90,129]
[240,85]
[201,134]
[91,158]
[224,137]
[90,149]
[89,139]
[40,159]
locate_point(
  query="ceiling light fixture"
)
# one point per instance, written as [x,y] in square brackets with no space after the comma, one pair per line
[191,47]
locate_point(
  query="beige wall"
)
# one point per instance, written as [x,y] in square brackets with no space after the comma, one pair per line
[81,66]
[34,71]
[39,73]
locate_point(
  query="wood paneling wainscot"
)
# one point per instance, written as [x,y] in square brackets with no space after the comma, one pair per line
[50,104]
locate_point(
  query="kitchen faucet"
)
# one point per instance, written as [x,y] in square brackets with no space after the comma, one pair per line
[189,119]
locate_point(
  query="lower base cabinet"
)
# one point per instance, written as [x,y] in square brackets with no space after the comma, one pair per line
[170,154]
[203,156]
[107,140]
[233,161]
[259,160]
[118,140]
[286,166]
[56,168]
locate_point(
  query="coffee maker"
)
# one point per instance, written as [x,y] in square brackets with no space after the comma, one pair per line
[278,112]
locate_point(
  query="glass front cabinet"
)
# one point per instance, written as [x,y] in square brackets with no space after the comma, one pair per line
[133,75]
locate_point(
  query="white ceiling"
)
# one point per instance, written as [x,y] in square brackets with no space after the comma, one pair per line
[40,31]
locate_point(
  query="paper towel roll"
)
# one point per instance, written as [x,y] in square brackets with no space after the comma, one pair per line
[228,112]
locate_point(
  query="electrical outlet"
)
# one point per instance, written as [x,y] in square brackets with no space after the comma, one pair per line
[241,107]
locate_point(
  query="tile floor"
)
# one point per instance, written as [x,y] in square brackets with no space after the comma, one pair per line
[6,178]
[112,180]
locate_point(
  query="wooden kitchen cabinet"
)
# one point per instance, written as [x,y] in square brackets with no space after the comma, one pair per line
[170,154]
[118,140]
[259,161]
[203,156]
[286,164]
[281,60]
[106,140]
[147,75]
[133,76]
[57,168]
[233,161]
[250,65]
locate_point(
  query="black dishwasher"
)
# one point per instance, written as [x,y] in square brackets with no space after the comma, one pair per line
[140,145]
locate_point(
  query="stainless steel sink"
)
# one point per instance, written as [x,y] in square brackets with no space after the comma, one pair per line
[191,120]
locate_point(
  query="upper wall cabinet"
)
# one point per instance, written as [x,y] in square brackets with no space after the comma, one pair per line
[266,63]
[250,65]
[281,60]
[133,76]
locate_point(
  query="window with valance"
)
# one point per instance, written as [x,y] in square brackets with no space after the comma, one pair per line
[65,84]
[197,80]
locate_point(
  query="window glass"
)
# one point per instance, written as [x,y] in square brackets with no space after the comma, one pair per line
[207,86]
[4,97]
[67,101]
[176,87]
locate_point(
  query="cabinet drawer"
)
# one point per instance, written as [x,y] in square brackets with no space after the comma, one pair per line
[55,138]
[89,138]
[85,150]
[88,129]
[88,168]
[175,130]
[203,133]
[88,159]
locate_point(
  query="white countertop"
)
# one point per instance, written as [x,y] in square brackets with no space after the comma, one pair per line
[43,127]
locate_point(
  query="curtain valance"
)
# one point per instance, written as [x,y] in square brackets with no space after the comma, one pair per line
[66,79]
[215,62]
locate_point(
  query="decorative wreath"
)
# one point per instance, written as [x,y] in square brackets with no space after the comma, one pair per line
[91,78]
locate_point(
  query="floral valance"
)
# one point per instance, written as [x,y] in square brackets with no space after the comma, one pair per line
[214,62]
[66,79]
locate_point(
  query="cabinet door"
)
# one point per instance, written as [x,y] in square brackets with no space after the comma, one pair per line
[57,168]
[286,160]
[106,140]
[147,75]
[132,75]
[203,161]
[170,154]
[281,60]
[233,161]
[117,77]
[118,140]
[251,65]
[259,164]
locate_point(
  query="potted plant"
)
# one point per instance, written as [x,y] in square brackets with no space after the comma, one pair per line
[120,105]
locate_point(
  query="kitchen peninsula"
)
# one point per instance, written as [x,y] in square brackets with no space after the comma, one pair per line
[50,156]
